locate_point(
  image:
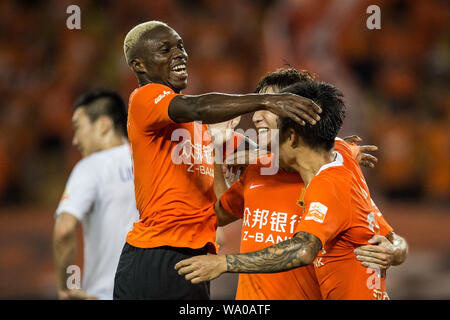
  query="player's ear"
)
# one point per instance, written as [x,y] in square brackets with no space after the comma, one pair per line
[104,124]
[293,138]
[138,66]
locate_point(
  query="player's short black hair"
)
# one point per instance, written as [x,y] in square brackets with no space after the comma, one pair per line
[330,99]
[113,107]
[283,77]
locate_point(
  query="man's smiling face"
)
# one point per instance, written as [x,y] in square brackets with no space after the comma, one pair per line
[165,60]
[265,121]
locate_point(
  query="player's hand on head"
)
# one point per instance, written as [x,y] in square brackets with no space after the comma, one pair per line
[202,268]
[363,157]
[300,109]
[380,254]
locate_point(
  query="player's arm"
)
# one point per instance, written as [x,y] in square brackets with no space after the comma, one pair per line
[64,248]
[223,216]
[220,187]
[298,251]
[219,107]
[383,251]
[75,203]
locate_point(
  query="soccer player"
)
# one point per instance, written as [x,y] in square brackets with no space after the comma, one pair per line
[339,214]
[270,210]
[173,163]
[99,194]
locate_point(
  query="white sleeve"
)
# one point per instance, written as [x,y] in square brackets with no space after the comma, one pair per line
[80,192]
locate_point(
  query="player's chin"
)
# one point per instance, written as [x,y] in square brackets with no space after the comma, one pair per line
[179,82]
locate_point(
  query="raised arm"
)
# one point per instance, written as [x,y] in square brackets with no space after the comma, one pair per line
[219,107]
[299,251]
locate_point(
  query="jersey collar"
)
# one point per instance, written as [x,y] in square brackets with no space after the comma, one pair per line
[338,161]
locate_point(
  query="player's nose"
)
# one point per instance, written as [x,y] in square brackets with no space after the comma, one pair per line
[180,54]
[257,117]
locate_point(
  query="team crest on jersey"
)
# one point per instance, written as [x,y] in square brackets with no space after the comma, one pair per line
[316,212]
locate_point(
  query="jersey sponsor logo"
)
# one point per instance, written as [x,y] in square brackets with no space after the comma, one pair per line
[316,212]
[161,96]
[252,186]
[372,223]
[256,225]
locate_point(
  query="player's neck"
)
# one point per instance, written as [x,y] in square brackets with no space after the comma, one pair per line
[310,161]
[112,140]
[142,80]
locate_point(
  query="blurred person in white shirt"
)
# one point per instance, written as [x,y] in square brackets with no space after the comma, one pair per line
[99,195]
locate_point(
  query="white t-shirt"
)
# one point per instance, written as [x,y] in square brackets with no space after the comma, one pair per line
[100,194]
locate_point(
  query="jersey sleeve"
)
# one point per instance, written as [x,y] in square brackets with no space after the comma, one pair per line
[149,106]
[233,199]
[351,149]
[385,227]
[326,214]
[80,193]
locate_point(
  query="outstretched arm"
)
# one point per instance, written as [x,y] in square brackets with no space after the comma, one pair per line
[219,107]
[299,251]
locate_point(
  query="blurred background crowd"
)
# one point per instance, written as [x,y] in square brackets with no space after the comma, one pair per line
[395,80]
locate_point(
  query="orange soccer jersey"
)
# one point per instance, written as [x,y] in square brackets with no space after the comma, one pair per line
[174,174]
[267,205]
[340,212]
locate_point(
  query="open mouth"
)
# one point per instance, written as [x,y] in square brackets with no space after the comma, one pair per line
[262,130]
[180,70]
[263,137]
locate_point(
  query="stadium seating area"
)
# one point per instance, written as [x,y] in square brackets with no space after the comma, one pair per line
[394,78]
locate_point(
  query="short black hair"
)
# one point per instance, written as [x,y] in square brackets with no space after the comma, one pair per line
[324,132]
[113,107]
[283,77]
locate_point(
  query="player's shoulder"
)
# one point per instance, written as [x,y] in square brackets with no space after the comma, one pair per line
[333,177]
[155,91]
[86,168]
[109,155]
[90,163]
[342,147]
[99,160]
